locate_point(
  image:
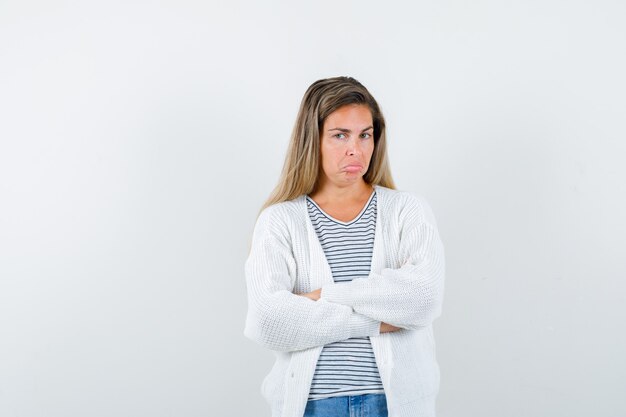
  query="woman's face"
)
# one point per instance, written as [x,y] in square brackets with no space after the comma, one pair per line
[347,144]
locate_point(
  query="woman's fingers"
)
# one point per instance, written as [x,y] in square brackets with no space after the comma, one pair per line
[386,328]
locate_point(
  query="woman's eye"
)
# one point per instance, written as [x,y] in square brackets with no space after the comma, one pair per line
[366,135]
[340,135]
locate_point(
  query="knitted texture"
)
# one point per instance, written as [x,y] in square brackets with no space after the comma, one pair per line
[404,288]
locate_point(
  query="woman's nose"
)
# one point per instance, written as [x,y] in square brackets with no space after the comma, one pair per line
[354,147]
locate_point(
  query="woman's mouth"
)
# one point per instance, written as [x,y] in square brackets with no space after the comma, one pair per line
[353,168]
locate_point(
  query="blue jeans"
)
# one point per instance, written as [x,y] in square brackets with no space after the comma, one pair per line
[366,405]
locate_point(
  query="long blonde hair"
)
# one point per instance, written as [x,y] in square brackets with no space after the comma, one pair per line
[301,170]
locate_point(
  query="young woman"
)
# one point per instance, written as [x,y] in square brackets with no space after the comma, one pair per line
[345,274]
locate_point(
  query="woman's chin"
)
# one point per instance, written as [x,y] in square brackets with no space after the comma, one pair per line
[350,179]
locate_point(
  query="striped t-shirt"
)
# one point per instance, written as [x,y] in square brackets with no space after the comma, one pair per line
[346,367]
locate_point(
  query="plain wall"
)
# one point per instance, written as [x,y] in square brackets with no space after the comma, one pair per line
[139,139]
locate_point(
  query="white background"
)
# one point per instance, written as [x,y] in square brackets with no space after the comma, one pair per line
[139,139]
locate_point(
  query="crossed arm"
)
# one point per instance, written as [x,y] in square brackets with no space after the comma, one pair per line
[408,297]
[315,295]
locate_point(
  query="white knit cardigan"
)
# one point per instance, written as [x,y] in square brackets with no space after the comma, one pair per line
[404,288]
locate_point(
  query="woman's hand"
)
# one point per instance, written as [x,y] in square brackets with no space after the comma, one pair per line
[313,295]
[386,328]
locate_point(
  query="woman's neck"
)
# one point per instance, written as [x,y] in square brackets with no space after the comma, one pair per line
[335,194]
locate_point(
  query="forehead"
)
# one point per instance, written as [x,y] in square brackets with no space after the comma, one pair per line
[358,114]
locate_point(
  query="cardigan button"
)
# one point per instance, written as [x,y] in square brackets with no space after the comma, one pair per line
[292,374]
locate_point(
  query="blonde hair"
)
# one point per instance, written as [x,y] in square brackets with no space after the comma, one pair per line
[301,170]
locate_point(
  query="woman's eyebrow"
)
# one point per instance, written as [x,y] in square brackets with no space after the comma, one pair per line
[348,130]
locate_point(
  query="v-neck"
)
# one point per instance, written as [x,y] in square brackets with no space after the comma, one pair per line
[348,223]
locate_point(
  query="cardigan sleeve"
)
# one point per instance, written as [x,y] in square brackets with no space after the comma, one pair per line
[411,295]
[277,318]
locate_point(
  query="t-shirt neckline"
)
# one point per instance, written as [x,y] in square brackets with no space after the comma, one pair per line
[358,216]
